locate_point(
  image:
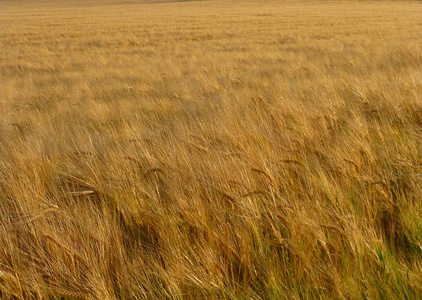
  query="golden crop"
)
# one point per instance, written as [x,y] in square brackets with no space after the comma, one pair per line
[210,149]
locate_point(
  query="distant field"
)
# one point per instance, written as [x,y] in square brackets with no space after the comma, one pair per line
[210,150]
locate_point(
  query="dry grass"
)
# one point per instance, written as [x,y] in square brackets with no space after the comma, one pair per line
[219,150]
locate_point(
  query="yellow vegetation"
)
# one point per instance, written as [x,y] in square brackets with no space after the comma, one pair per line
[210,149]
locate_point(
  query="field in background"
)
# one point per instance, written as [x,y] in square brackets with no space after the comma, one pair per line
[210,150]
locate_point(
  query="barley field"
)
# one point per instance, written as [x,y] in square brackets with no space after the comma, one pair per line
[210,149]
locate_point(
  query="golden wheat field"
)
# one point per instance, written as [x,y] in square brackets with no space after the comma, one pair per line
[210,149]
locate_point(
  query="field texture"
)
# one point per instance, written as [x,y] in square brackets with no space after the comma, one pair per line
[210,150]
